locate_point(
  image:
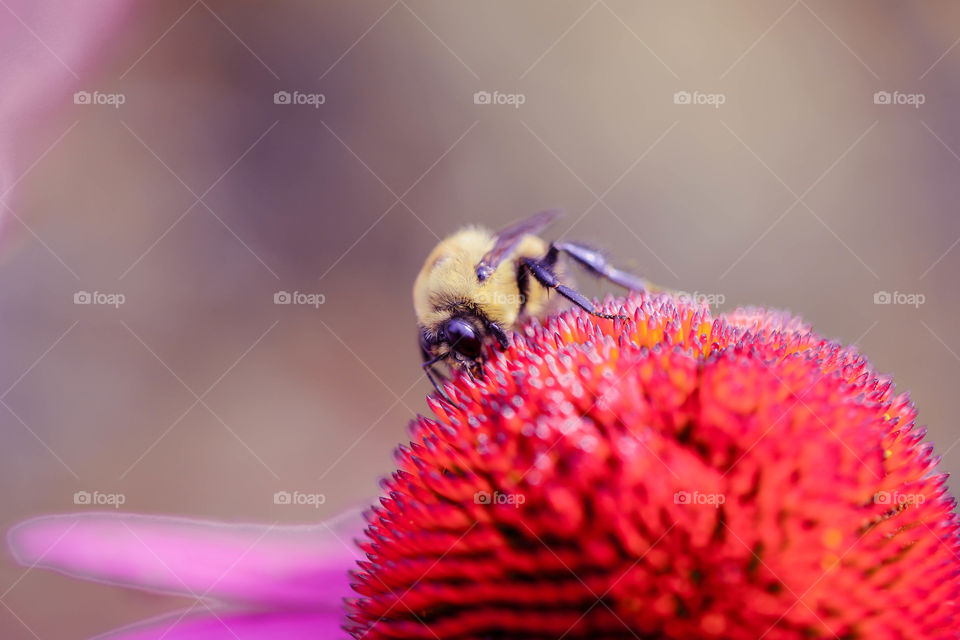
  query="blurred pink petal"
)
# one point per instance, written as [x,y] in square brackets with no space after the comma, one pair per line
[228,626]
[288,567]
[47,49]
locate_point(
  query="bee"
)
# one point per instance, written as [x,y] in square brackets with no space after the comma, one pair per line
[477,285]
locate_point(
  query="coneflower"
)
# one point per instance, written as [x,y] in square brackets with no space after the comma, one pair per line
[671,475]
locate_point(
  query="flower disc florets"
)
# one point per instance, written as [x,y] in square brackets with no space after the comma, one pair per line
[673,475]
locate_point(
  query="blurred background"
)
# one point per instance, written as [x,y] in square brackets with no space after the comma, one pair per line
[799,155]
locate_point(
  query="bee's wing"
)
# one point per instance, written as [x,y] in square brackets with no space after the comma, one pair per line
[507,239]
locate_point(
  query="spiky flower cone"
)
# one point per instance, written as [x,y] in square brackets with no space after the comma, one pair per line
[671,476]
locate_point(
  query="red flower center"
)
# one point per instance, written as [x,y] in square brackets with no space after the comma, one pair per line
[673,476]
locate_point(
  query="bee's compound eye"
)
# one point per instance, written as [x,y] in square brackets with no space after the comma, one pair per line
[463,338]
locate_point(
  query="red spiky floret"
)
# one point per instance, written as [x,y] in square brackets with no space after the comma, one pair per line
[674,475]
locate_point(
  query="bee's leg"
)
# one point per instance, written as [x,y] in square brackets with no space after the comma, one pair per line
[429,371]
[497,332]
[597,264]
[475,372]
[542,270]
[428,362]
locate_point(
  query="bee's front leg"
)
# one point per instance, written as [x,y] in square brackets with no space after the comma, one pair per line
[542,271]
[497,332]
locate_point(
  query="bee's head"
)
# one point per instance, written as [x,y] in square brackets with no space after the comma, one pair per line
[457,339]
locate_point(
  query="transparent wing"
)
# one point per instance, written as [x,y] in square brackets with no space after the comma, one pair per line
[507,240]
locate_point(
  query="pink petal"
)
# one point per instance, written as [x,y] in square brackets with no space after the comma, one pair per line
[304,567]
[218,625]
[47,49]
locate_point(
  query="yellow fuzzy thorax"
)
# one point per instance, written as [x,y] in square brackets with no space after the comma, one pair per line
[448,281]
